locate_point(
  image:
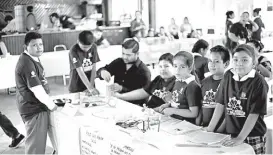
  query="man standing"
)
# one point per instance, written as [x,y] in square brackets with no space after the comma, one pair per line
[129,71]
[11,131]
[83,57]
[32,96]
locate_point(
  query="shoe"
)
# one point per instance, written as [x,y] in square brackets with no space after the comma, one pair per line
[17,141]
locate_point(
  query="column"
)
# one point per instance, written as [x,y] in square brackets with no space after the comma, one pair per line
[152,13]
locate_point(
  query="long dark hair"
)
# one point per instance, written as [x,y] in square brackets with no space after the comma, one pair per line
[200,44]
[229,13]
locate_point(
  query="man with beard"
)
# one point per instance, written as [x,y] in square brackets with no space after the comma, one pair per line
[129,71]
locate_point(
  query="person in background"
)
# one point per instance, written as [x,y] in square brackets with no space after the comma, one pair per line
[173,29]
[230,15]
[184,102]
[151,33]
[32,96]
[100,40]
[55,20]
[11,24]
[3,48]
[63,21]
[137,25]
[219,59]
[11,131]
[162,32]
[199,51]
[256,35]
[264,66]
[186,28]
[129,71]
[240,32]
[157,88]
[83,57]
[242,97]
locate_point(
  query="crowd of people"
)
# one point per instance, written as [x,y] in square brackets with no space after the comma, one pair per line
[225,92]
[138,29]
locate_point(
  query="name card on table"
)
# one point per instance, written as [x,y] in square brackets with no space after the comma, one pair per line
[92,142]
[118,149]
[70,110]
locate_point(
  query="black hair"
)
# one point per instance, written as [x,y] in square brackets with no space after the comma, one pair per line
[246,48]
[257,10]
[161,27]
[201,43]
[54,15]
[222,51]
[167,57]
[188,57]
[32,35]
[257,44]
[186,18]
[8,18]
[30,8]
[86,38]
[229,13]
[131,44]
[0,37]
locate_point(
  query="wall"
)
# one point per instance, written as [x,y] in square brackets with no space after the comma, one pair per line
[68,7]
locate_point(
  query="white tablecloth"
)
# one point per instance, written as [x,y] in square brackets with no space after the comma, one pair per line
[95,127]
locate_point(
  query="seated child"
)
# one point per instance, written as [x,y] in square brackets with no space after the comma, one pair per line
[185,100]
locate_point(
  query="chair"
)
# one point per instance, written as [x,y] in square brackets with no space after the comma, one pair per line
[60,48]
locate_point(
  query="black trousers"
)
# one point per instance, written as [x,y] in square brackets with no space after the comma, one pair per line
[8,127]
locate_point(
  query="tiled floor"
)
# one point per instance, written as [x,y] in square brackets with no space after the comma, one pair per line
[8,107]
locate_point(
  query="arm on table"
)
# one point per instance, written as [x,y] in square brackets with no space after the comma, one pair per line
[192,112]
[247,128]
[138,94]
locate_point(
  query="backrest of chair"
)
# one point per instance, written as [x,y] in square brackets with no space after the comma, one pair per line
[59,48]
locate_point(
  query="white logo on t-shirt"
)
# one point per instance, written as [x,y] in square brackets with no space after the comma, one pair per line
[209,99]
[234,108]
[87,65]
[74,60]
[33,74]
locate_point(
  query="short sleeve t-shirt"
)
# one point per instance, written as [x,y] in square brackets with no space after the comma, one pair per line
[187,94]
[28,74]
[79,58]
[242,98]
[209,88]
[156,89]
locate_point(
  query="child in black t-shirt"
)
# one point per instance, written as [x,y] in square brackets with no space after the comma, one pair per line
[263,66]
[218,61]
[185,100]
[242,95]
[83,57]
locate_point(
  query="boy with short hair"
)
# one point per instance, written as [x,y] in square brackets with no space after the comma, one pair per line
[32,96]
[218,61]
[83,57]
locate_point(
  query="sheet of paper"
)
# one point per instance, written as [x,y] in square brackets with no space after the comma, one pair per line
[182,127]
[207,138]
